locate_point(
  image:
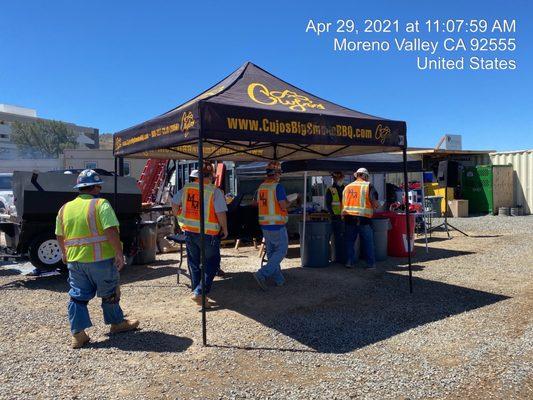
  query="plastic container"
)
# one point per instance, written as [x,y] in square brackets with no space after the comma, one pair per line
[415,196]
[317,248]
[397,236]
[147,243]
[504,211]
[380,226]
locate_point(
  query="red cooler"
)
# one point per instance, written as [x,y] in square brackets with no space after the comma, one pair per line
[397,238]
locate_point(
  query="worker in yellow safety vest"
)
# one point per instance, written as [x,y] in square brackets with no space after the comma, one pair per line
[333,202]
[359,199]
[186,203]
[272,209]
[87,232]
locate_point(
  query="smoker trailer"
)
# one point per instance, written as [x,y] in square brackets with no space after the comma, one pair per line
[38,198]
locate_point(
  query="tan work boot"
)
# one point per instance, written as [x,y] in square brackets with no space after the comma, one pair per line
[80,339]
[198,300]
[124,326]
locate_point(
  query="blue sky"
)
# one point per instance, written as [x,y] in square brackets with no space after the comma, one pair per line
[111,64]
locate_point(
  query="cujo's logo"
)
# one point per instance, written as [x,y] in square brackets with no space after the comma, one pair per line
[118,143]
[187,122]
[294,101]
[382,133]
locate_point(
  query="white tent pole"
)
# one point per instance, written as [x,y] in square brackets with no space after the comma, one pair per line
[424,209]
[302,249]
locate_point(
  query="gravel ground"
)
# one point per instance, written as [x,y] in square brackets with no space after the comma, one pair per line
[466,331]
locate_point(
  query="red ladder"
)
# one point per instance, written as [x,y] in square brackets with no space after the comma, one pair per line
[151,178]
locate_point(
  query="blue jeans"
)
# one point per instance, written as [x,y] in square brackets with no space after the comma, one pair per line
[366,239]
[87,280]
[277,244]
[212,260]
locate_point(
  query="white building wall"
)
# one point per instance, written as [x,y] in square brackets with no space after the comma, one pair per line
[522,162]
[81,159]
[38,164]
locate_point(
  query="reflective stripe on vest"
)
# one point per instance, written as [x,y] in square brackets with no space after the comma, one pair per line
[270,212]
[93,240]
[356,200]
[189,217]
[336,205]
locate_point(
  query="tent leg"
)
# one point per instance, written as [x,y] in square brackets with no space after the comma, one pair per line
[115,197]
[302,240]
[407,219]
[424,209]
[202,238]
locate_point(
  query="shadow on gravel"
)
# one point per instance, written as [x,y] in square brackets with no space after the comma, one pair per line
[9,271]
[434,254]
[336,310]
[145,341]
[133,273]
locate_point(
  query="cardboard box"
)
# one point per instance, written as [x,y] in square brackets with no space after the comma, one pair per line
[458,208]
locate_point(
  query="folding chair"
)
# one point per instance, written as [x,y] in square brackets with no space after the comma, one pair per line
[180,239]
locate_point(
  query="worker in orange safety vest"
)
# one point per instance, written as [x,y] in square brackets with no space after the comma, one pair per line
[359,199]
[187,201]
[272,203]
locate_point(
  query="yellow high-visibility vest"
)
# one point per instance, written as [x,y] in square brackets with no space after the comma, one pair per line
[83,234]
[336,205]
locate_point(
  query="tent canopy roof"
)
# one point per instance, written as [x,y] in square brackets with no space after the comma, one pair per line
[253,115]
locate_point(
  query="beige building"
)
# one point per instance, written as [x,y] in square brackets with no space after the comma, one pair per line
[89,158]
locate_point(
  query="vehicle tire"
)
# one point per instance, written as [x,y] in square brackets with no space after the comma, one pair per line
[45,253]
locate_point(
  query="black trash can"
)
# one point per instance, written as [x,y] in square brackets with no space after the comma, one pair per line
[147,243]
[316,249]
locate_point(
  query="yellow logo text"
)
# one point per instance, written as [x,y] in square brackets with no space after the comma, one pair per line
[187,122]
[292,100]
[382,133]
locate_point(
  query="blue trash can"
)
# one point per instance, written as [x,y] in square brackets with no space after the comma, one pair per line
[316,249]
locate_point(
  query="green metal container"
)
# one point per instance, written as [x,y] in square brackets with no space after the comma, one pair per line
[478,189]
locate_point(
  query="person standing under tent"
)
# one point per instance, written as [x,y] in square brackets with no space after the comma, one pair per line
[187,200]
[87,232]
[334,207]
[272,203]
[359,200]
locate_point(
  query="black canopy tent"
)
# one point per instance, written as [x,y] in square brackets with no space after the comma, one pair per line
[252,115]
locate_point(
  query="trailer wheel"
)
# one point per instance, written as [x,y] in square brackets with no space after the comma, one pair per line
[45,253]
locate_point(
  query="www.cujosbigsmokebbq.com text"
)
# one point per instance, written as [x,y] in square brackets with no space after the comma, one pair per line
[433,44]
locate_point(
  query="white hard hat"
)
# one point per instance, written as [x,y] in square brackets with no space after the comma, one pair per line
[362,171]
[194,174]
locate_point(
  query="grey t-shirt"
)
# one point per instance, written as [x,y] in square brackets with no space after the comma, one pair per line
[220,201]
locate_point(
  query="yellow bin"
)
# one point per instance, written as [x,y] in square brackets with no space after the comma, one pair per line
[433,189]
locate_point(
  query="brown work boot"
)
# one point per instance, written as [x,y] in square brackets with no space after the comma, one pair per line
[124,326]
[198,300]
[80,339]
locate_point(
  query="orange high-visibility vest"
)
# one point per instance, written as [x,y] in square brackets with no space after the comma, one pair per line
[356,200]
[270,212]
[189,218]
